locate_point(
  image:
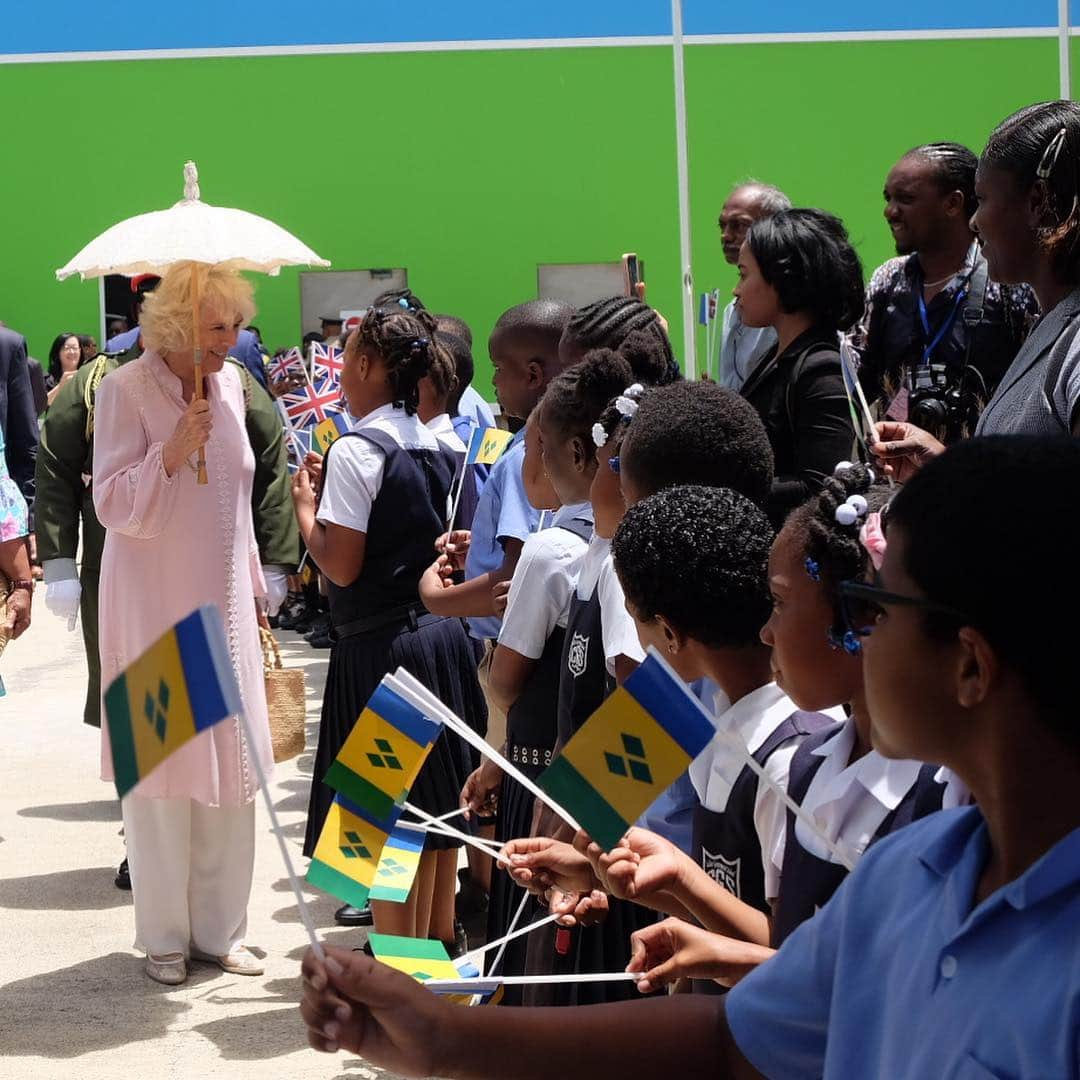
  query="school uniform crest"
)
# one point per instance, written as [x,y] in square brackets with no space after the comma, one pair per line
[723,871]
[577,656]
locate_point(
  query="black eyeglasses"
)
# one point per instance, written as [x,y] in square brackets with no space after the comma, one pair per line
[861,603]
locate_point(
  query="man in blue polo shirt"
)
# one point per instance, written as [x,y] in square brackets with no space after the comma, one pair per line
[952,950]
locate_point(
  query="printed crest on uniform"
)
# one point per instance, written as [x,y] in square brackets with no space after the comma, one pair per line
[578,655]
[723,871]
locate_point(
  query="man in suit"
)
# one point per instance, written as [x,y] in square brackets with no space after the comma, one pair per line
[17,416]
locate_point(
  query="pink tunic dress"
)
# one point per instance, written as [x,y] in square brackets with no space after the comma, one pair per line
[172,546]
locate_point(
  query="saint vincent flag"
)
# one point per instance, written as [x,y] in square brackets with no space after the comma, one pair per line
[328,432]
[347,854]
[420,958]
[183,684]
[487,445]
[629,751]
[382,756]
[398,865]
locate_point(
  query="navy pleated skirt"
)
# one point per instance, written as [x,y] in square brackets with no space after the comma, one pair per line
[440,654]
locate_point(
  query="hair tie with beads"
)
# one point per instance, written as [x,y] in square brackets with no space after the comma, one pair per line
[626,405]
[403,303]
[417,345]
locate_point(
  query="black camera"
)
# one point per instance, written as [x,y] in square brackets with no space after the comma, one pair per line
[945,404]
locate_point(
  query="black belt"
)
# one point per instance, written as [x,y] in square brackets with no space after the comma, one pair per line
[412,615]
[530,755]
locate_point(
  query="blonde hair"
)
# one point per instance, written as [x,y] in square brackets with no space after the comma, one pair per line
[165,319]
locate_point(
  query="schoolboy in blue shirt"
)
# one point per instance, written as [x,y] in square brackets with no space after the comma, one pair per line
[524,349]
[952,949]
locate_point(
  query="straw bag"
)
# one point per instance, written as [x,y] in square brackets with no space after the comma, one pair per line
[285,701]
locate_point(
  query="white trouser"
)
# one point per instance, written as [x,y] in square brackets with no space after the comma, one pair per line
[191,869]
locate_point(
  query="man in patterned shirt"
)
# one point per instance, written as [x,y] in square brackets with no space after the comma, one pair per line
[937,335]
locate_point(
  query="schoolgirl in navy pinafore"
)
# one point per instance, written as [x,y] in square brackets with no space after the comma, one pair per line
[531,732]
[584,683]
[725,842]
[807,882]
[378,624]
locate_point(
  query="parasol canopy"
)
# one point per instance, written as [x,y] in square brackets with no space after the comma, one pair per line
[190,231]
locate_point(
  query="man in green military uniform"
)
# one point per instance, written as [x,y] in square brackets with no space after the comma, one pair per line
[64,467]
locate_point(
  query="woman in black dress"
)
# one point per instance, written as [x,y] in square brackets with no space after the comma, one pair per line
[799,274]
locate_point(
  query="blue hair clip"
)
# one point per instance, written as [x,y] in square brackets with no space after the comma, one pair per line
[614,464]
[849,643]
[402,302]
[813,568]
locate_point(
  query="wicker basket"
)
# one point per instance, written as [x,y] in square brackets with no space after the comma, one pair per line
[285,701]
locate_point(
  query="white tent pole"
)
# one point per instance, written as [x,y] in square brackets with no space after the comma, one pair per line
[689,324]
[1064,60]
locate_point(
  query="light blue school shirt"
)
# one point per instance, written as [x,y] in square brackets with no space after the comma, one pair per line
[741,348]
[503,513]
[475,408]
[898,977]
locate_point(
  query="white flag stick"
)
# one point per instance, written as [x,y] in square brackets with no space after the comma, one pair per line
[485,984]
[459,727]
[500,943]
[449,830]
[489,847]
[275,828]
[513,925]
[460,484]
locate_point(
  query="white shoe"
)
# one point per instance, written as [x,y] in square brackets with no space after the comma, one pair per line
[170,969]
[239,962]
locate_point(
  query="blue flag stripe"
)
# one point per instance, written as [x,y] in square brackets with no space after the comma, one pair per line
[208,686]
[475,442]
[406,840]
[409,720]
[669,703]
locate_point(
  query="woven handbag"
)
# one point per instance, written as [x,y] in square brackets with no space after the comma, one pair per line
[285,701]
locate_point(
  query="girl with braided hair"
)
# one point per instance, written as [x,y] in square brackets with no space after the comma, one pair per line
[384,497]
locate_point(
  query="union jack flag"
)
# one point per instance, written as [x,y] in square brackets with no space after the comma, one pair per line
[326,362]
[281,367]
[311,403]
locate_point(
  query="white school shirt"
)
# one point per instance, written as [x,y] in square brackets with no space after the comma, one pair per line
[617,628]
[849,802]
[542,584]
[351,485]
[442,427]
[713,772]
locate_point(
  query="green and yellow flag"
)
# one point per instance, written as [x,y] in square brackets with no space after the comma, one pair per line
[324,435]
[382,756]
[486,445]
[634,747]
[420,958]
[398,866]
[182,685]
[347,854]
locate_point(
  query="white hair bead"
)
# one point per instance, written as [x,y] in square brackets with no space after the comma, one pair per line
[858,502]
[841,467]
[846,514]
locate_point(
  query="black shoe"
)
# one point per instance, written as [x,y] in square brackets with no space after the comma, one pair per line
[321,641]
[123,877]
[293,609]
[319,626]
[460,945]
[471,900]
[353,916]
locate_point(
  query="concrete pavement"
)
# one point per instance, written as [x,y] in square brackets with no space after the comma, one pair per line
[74,1000]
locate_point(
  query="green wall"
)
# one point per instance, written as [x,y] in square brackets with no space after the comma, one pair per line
[470,168]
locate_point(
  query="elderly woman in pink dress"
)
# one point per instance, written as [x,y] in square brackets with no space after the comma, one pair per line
[172,546]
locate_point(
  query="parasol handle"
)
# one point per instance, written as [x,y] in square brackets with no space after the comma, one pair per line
[200,461]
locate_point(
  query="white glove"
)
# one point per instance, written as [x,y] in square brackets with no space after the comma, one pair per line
[62,589]
[277,588]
